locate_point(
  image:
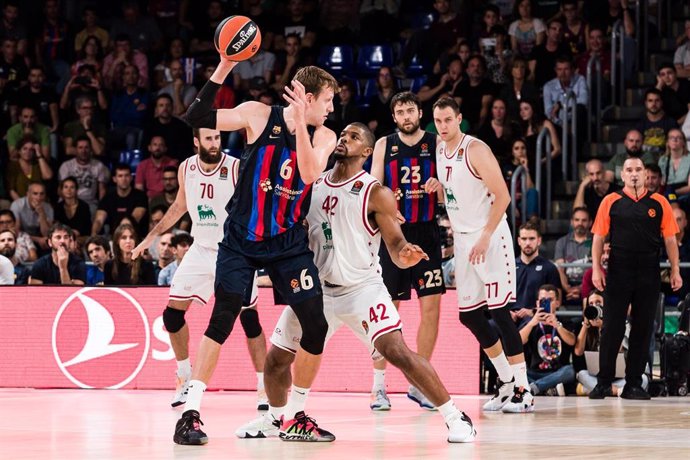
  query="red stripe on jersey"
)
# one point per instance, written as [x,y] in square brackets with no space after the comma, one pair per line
[283,202]
[414,201]
[467,161]
[365,205]
[298,205]
[261,197]
[393,168]
[433,199]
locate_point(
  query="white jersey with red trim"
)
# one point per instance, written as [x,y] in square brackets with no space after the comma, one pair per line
[207,195]
[345,245]
[468,200]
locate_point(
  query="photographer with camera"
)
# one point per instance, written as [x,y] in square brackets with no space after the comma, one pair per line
[589,339]
[548,344]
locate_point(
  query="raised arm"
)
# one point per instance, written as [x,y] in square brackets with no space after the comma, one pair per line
[377,159]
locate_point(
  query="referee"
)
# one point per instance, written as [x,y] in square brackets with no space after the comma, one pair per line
[638,222]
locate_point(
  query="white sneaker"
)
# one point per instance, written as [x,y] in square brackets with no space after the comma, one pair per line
[504,391]
[460,428]
[560,389]
[379,400]
[521,402]
[415,395]
[181,389]
[264,426]
[262,400]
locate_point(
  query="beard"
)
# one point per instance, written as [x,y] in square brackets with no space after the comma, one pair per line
[633,154]
[8,252]
[211,156]
[528,251]
[412,130]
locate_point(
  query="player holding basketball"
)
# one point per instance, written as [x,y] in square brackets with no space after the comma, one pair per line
[476,200]
[207,181]
[287,149]
[349,214]
[405,162]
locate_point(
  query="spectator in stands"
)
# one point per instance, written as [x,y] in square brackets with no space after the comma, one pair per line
[345,110]
[72,211]
[474,94]
[58,267]
[378,21]
[167,197]
[25,250]
[124,201]
[495,49]
[653,181]
[288,61]
[164,252]
[175,52]
[149,175]
[143,29]
[122,57]
[675,93]
[549,344]
[379,120]
[483,35]
[98,252]
[85,127]
[575,247]
[296,21]
[12,64]
[91,29]
[12,26]
[28,125]
[91,54]
[259,65]
[461,51]
[91,175]
[574,27]
[532,123]
[53,44]
[86,83]
[439,85]
[8,248]
[597,48]
[6,96]
[34,214]
[31,166]
[681,58]
[518,88]
[182,94]
[447,250]
[499,131]
[39,97]
[675,165]
[556,91]
[180,244]
[525,32]
[542,63]
[128,109]
[261,15]
[121,270]
[587,284]
[201,43]
[177,134]
[518,158]
[633,148]
[593,187]
[655,124]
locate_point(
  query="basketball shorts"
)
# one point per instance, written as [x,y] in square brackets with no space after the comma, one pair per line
[491,283]
[427,276]
[366,309]
[194,278]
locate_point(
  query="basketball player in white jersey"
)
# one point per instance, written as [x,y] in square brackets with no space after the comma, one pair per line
[349,214]
[207,182]
[476,199]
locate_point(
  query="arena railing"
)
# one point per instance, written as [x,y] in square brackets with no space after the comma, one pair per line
[520,174]
[543,142]
[594,107]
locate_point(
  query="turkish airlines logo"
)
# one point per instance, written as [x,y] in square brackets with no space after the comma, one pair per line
[97,338]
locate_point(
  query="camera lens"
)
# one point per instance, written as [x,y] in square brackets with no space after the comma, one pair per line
[593,312]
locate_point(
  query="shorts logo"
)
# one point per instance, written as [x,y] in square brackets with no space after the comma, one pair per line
[224,173]
[357,187]
[294,284]
[398,194]
[420,281]
[265,185]
[652,213]
[365,326]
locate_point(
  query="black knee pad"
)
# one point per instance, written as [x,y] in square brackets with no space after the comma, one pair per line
[173,319]
[249,318]
[225,311]
[314,325]
[512,343]
[477,323]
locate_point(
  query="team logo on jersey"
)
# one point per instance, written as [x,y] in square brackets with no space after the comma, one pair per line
[265,185]
[450,197]
[223,172]
[294,284]
[398,194]
[365,326]
[276,130]
[357,187]
[651,212]
[394,150]
[205,212]
[425,150]
[192,167]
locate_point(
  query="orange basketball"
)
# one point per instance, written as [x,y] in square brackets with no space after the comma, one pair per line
[237,38]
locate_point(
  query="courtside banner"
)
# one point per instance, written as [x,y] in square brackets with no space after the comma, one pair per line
[106,337]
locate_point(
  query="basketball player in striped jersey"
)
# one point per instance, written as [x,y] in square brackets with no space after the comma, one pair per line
[287,150]
[476,199]
[405,162]
[350,213]
[207,181]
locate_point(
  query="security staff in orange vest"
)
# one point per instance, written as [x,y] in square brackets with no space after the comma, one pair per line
[638,222]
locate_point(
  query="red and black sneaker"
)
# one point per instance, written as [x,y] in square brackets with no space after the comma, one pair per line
[188,430]
[303,428]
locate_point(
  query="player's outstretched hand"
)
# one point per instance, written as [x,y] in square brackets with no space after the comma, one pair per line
[297,98]
[411,254]
[432,185]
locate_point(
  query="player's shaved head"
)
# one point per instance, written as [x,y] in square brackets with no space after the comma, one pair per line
[367,135]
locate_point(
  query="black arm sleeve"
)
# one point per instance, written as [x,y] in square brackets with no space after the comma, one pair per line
[201,113]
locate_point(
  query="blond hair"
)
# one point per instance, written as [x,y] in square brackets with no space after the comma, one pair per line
[315,80]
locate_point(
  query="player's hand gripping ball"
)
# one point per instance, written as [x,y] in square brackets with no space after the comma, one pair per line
[237,38]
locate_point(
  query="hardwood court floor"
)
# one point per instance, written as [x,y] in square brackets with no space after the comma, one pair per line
[131,424]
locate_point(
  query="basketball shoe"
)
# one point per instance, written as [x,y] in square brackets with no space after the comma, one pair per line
[303,428]
[521,402]
[181,389]
[188,430]
[380,401]
[460,428]
[504,391]
[264,426]
[415,395]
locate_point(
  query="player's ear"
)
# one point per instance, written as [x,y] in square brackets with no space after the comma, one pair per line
[367,151]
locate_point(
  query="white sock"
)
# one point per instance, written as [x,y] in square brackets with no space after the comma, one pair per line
[448,410]
[520,373]
[296,401]
[500,362]
[276,412]
[184,368]
[259,381]
[196,391]
[379,380]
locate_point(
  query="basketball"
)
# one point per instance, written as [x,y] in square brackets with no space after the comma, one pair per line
[237,38]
